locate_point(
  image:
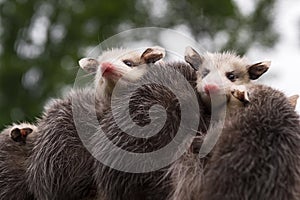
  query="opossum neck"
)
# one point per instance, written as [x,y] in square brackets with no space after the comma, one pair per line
[224,107]
[105,89]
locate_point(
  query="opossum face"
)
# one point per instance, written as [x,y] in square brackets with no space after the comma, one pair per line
[114,64]
[220,73]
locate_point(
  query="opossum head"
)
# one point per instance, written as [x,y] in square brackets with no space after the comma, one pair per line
[219,73]
[117,63]
[20,132]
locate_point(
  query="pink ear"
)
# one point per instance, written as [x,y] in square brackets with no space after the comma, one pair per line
[293,100]
[153,54]
[89,65]
[192,57]
[258,69]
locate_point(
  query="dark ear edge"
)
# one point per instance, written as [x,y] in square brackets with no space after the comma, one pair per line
[15,134]
[153,54]
[258,69]
[192,57]
[90,65]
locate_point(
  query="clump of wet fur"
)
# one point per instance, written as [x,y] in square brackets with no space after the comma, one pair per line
[257,155]
[14,151]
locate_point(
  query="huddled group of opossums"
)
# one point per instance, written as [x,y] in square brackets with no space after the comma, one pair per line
[256,157]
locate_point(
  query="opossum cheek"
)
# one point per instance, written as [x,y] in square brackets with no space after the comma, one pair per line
[135,73]
[200,89]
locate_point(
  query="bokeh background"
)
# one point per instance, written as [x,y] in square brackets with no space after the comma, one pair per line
[41,41]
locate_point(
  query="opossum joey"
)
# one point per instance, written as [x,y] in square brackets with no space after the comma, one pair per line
[116,63]
[224,74]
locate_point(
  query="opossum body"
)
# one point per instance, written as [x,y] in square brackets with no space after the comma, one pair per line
[256,157]
[59,155]
[150,185]
[258,151]
[188,172]
[217,74]
[13,161]
[60,167]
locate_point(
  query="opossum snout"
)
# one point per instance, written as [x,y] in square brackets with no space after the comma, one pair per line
[211,89]
[107,68]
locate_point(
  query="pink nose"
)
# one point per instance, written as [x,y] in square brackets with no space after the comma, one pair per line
[211,89]
[106,67]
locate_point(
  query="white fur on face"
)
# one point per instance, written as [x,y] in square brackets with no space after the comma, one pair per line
[117,63]
[214,71]
[117,59]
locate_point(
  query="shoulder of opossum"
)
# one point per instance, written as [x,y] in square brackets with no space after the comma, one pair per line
[59,155]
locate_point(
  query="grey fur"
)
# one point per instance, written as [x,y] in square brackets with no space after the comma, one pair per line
[60,167]
[187,173]
[156,184]
[13,161]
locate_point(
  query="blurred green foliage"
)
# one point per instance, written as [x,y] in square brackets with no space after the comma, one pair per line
[42,40]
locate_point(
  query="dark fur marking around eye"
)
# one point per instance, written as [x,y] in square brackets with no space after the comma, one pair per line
[205,72]
[129,63]
[231,76]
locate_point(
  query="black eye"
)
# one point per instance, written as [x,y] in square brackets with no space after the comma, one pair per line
[231,76]
[205,72]
[129,63]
